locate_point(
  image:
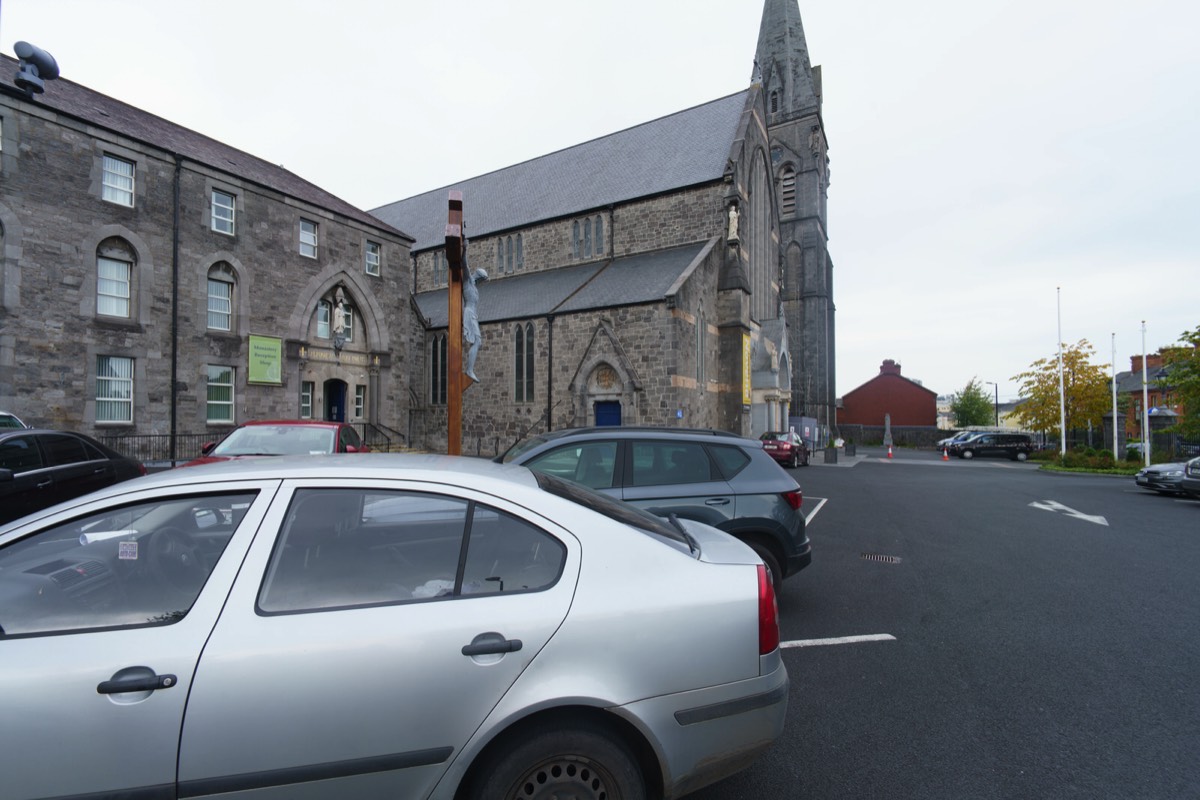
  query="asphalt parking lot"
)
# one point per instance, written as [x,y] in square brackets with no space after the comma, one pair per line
[983,629]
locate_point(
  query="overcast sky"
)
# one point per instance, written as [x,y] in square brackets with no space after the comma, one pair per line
[982,154]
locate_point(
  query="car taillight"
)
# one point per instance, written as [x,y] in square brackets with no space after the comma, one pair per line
[768,613]
[794,498]
[142,468]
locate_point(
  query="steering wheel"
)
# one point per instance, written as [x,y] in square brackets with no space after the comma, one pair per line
[177,558]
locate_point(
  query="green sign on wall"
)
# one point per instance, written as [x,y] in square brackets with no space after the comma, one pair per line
[266,360]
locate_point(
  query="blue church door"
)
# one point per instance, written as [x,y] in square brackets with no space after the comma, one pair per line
[608,412]
[335,401]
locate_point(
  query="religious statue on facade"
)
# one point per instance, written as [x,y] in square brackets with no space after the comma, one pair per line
[733,223]
[339,319]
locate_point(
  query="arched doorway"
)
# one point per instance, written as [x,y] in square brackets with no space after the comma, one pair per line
[335,400]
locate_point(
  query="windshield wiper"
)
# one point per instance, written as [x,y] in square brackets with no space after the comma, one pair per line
[691,542]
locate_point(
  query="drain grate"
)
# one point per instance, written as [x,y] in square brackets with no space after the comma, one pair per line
[880,559]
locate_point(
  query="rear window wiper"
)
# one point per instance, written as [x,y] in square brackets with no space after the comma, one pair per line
[691,542]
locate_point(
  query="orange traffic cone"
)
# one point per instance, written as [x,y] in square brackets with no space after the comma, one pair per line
[889,451]
[945,455]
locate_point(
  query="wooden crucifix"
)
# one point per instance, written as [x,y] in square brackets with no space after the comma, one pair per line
[455,257]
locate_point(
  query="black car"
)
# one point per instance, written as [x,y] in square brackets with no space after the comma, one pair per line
[1016,446]
[715,477]
[39,468]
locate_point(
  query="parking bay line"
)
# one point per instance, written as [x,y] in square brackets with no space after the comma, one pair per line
[870,637]
[808,520]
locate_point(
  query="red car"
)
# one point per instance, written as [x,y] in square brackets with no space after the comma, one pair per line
[786,447]
[283,437]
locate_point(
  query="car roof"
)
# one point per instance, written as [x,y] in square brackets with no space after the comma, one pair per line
[641,432]
[308,423]
[464,470]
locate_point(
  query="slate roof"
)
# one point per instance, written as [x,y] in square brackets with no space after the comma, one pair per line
[642,278]
[94,108]
[683,149]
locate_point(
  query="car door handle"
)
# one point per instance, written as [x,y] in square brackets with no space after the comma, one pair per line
[148,683]
[717,501]
[44,484]
[491,643]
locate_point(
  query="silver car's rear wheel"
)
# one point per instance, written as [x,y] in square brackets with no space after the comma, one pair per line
[581,761]
[968,453]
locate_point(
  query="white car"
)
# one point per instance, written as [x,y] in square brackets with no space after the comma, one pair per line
[386,626]
[10,421]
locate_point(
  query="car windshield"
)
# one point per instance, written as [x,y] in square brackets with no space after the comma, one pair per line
[774,435]
[9,421]
[276,440]
[517,449]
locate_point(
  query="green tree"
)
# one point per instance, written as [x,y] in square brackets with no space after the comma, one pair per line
[972,406]
[1183,364]
[1086,395]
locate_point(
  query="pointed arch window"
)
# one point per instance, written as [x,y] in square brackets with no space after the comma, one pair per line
[523,369]
[600,249]
[508,254]
[787,192]
[774,102]
[575,239]
[587,237]
[520,253]
[437,370]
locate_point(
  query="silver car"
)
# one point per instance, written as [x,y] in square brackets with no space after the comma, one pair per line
[384,626]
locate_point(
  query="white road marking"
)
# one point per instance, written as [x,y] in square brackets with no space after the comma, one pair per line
[1051,505]
[870,637]
[808,520]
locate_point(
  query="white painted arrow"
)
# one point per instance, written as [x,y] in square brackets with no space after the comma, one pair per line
[1051,505]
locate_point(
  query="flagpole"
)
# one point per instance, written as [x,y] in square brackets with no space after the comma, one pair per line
[1062,404]
[1114,392]
[1145,402]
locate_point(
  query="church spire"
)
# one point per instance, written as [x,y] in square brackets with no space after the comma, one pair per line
[781,63]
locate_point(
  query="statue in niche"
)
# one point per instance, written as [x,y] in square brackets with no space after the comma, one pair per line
[339,319]
[733,222]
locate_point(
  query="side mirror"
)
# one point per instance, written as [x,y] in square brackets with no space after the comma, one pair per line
[207,448]
[6,475]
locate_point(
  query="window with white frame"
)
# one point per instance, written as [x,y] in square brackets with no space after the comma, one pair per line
[220,394]
[324,316]
[114,389]
[220,301]
[223,212]
[308,238]
[348,318]
[374,257]
[360,401]
[307,389]
[113,288]
[118,181]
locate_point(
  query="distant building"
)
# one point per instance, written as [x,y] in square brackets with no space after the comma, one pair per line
[1160,393]
[889,393]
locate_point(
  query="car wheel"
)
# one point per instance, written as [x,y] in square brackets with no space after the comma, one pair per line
[579,761]
[795,460]
[772,563]
[967,454]
[1022,455]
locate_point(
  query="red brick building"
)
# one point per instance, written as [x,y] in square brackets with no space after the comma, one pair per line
[889,392]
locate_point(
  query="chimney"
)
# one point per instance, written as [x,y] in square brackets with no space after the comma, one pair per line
[889,367]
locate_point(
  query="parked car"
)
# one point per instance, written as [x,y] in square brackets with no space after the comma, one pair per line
[397,626]
[1016,446]
[10,421]
[1191,478]
[1162,478]
[786,447]
[282,437]
[715,477]
[944,444]
[39,468]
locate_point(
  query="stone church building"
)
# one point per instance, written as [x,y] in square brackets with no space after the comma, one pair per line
[157,283]
[685,281]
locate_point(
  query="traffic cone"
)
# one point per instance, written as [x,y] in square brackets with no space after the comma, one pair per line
[889,451]
[945,455]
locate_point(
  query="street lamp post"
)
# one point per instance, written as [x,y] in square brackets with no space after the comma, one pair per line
[997,405]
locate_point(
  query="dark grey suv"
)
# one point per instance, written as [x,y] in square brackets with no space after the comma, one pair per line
[1016,446]
[727,481]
